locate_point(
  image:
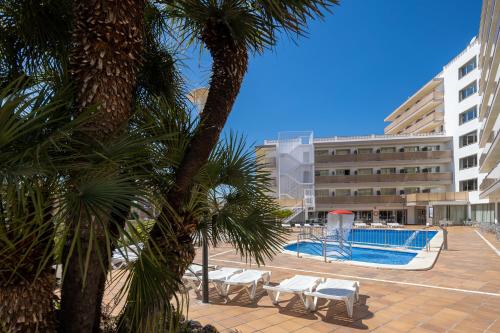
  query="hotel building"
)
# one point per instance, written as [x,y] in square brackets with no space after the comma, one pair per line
[437,159]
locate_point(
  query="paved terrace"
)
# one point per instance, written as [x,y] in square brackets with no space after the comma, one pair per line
[460,294]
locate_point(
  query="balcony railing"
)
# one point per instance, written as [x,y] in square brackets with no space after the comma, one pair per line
[438,196]
[433,98]
[436,118]
[486,183]
[399,156]
[445,177]
[368,199]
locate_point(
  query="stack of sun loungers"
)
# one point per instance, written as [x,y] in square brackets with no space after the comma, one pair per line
[308,288]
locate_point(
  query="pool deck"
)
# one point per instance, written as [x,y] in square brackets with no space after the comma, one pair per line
[461,293]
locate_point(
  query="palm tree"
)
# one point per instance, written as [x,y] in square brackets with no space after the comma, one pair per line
[229,29]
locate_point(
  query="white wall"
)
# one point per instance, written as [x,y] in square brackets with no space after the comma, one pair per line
[452,106]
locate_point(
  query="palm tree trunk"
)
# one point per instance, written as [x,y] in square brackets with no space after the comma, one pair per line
[28,306]
[107,46]
[230,62]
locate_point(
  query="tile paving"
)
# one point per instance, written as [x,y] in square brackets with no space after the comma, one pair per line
[461,293]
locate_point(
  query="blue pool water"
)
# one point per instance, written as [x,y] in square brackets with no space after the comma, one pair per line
[412,239]
[358,254]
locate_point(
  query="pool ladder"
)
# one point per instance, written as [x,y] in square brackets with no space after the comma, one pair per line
[343,250]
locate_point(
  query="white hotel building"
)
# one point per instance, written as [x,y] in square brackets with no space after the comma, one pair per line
[438,158]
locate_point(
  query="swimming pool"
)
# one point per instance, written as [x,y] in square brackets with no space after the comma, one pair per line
[360,254]
[410,239]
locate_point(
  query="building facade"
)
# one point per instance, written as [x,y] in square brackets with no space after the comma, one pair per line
[438,158]
[489,138]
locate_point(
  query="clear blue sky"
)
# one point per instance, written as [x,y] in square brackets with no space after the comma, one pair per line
[351,70]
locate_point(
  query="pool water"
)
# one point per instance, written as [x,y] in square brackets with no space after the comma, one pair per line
[377,256]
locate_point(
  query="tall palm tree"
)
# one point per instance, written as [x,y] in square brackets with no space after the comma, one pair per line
[229,29]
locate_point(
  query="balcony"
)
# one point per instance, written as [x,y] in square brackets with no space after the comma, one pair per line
[438,196]
[368,199]
[441,177]
[428,123]
[415,111]
[486,184]
[388,157]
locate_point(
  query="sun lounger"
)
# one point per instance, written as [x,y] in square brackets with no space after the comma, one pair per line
[215,276]
[307,225]
[296,285]
[360,224]
[333,289]
[377,225]
[248,279]
[297,225]
[394,225]
[286,225]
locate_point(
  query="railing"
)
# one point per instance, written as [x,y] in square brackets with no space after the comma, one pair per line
[393,177]
[328,246]
[396,156]
[388,238]
[368,199]
[438,196]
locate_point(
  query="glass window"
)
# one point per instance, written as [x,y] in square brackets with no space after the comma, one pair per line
[365,191]
[342,172]
[388,191]
[410,170]
[483,212]
[467,68]
[342,192]
[321,173]
[410,190]
[468,139]
[365,150]
[388,150]
[321,152]
[343,151]
[322,193]
[385,171]
[410,149]
[469,90]
[365,171]
[468,185]
[468,115]
[431,169]
[468,162]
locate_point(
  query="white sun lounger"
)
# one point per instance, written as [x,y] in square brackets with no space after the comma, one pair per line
[248,279]
[333,289]
[377,225]
[360,224]
[307,225]
[215,277]
[286,225]
[394,225]
[296,285]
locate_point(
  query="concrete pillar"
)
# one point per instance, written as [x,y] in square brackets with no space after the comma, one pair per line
[496,212]
[469,211]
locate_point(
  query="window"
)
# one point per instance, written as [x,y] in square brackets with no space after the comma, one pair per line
[387,150]
[468,162]
[470,89]
[365,171]
[410,170]
[365,191]
[467,68]
[343,172]
[468,185]
[321,152]
[388,191]
[468,139]
[321,173]
[410,149]
[343,192]
[385,171]
[410,190]
[322,193]
[431,148]
[431,169]
[365,150]
[343,151]
[468,115]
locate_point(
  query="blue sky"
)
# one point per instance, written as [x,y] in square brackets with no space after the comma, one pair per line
[351,70]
